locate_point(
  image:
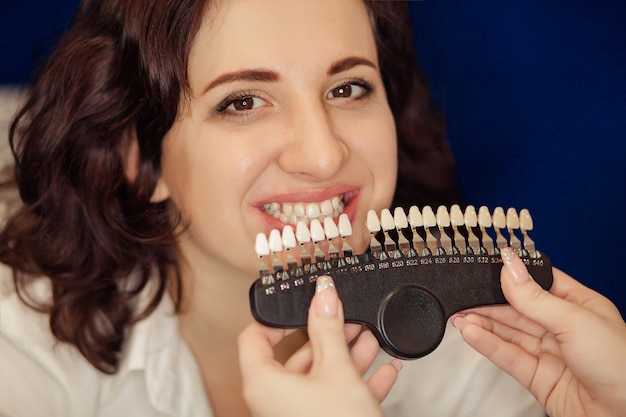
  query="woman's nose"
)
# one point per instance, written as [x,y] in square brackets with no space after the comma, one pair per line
[314,147]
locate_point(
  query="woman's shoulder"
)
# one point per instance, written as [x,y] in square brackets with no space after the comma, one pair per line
[39,376]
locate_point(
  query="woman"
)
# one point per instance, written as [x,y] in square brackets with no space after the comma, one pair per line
[149,155]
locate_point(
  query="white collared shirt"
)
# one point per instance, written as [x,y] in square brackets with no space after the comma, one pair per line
[158,375]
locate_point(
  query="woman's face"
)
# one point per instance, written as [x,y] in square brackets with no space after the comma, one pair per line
[288,110]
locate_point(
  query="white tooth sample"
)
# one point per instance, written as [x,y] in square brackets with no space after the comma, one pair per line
[499,218]
[326,208]
[399,218]
[275,241]
[430,220]
[372,222]
[299,210]
[335,202]
[288,238]
[261,245]
[499,223]
[345,227]
[526,222]
[302,232]
[429,217]
[443,217]
[443,220]
[470,218]
[283,218]
[287,209]
[330,228]
[274,206]
[415,217]
[484,217]
[386,220]
[512,224]
[312,210]
[456,216]
[512,219]
[317,232]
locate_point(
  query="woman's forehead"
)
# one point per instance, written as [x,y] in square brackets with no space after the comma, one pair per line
[244,33]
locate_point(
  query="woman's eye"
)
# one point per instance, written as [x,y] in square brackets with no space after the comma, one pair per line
[348,91]
[244,103]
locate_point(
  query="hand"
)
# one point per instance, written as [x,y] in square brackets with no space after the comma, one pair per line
[567,346]
[323,378]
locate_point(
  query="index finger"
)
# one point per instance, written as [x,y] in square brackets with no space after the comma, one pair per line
[256,343]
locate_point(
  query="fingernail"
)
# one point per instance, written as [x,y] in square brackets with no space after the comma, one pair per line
[326,300]
[516,268]
[459,322]
[396,363]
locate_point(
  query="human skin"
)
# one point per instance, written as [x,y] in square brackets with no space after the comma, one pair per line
[323,380]
[286,104]
[566,346]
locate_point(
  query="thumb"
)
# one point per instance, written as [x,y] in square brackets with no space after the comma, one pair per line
[325,325]
[528,298]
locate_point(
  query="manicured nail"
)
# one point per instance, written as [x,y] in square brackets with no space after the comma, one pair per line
[326,300]
[396,363]
[516,268]
[459,322]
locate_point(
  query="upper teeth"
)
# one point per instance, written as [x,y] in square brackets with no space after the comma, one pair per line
[292,213]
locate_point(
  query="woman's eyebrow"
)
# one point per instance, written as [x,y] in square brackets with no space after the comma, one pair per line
[243,75]
[349,62]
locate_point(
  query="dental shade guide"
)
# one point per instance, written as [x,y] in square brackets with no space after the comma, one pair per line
[403,295]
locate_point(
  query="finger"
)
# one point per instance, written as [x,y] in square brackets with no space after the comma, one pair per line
[301,360]
[255,344]
[326,328]
[534,344]
[364,351]
[526,296]
[509,357]
[507,315]
[382,380]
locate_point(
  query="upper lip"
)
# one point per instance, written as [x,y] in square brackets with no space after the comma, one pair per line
[308,196]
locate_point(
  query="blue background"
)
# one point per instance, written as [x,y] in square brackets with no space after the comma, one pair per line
[535,96]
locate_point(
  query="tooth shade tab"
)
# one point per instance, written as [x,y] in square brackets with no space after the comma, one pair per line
[399,218]
[526,221]
[275,241]
[372,223]
[443,217]
[512,219]
[345,227]
[484,217]
[469,217]
[261,245]
[430,220]
[302,232]
[288,238]
[415,217]
[499,218]
[330,228]
[317,232]
[456,216]
[386,220]
[402,238]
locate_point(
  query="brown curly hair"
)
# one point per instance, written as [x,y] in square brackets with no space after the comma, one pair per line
[119,72]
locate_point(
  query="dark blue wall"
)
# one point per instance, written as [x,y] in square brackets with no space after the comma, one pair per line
[535,95]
